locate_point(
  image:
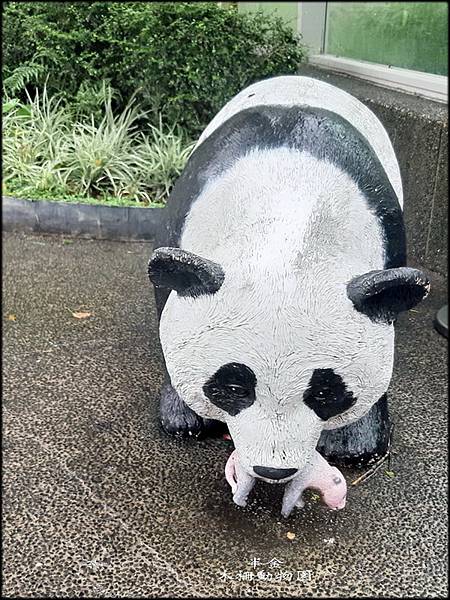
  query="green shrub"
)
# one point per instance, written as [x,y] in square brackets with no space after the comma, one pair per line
[47,153]
[186,59]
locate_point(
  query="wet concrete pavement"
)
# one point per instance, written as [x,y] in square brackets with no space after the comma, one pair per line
[99,502]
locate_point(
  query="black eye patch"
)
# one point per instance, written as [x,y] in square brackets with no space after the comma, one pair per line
[231,388]
[327,394]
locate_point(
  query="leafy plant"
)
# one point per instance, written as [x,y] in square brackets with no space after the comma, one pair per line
[187,59]
[47,151]
[34,139]
[21,76]
[10,105]
[91,97]
[102,157]
[162,155]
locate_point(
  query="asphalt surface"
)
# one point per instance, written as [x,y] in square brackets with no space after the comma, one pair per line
[99,502]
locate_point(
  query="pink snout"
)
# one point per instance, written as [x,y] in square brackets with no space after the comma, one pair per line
[332,485]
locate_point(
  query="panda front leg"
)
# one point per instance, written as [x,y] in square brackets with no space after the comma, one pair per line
[175,416]
[179,420]
[361,442]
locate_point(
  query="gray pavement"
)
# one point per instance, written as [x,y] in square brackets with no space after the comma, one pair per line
[98,502]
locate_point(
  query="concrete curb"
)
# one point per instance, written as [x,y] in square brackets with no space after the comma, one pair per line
[80,220]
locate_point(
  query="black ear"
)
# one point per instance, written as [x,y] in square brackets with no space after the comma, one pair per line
[184,272]
[381,295]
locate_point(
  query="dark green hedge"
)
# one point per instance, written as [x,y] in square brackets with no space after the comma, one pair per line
[187,59]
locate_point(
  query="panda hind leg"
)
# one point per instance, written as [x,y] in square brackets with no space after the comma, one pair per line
[359,443]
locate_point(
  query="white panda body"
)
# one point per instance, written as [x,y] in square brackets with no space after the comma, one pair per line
[293,193]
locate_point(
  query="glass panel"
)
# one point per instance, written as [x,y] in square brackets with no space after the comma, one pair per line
[286,10]
[412,35]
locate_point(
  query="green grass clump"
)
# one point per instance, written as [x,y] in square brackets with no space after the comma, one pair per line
[50,153]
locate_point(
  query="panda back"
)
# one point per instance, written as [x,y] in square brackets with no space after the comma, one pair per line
[295,90]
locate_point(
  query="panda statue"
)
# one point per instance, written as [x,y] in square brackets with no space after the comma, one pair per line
[279,272]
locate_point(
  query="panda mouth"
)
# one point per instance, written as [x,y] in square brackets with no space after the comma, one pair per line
[317,474]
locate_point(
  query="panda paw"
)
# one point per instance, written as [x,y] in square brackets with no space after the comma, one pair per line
[176,417]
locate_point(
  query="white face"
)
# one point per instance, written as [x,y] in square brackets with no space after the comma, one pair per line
[293,334]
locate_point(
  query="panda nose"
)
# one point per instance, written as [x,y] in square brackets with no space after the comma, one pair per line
[270,473]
